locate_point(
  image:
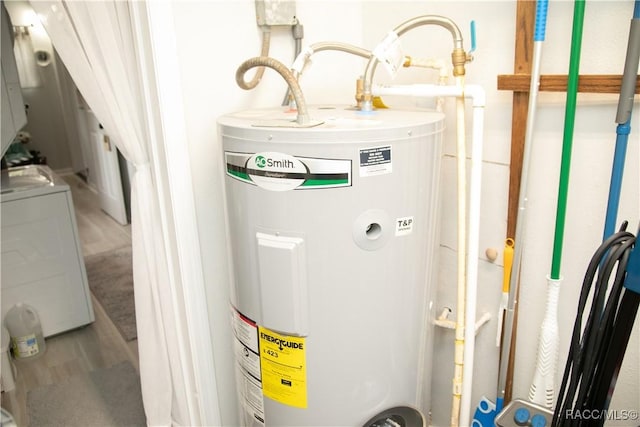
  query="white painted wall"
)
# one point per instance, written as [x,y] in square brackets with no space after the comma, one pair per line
[214,37]
[604,46]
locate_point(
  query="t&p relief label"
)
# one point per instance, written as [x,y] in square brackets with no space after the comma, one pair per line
[283,366]
[404,225]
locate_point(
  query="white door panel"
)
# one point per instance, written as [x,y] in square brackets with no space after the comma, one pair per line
[107,177]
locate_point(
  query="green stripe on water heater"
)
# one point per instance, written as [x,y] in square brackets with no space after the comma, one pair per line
[308,183]
[321,182]
[237,173]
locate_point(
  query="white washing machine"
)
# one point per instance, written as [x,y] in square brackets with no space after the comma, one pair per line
[42,262]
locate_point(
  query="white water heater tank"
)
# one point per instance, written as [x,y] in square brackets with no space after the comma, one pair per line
[333,235]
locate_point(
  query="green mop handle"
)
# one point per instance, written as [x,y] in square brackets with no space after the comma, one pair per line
[569,124]
[542,390]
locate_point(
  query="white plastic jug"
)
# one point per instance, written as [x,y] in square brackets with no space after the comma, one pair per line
[7,368]
[25,330]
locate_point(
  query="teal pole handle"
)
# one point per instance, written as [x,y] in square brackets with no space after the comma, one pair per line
[541,20]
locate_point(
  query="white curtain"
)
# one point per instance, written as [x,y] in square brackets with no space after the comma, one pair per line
[96,44]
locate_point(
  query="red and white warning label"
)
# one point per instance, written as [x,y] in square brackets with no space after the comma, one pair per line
[248,375]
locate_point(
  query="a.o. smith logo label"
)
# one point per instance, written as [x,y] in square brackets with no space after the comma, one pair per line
[281,172]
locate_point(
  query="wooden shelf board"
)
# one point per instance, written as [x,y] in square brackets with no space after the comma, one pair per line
[600,83]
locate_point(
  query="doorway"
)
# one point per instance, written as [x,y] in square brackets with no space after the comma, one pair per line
[78,149]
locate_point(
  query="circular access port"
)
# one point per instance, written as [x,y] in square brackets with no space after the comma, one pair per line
[400,416]
[391,421]
[373,231]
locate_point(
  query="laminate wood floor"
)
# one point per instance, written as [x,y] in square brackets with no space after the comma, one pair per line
[95,346]
[98,231]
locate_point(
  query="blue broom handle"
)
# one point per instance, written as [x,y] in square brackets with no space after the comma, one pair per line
[615,186]
[623,118]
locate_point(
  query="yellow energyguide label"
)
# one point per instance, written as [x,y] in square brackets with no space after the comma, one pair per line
[282,362]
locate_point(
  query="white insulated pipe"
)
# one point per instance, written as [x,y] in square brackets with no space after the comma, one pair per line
[475,190]
[459,348]
[474,92]
[436,64]
[477,95]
